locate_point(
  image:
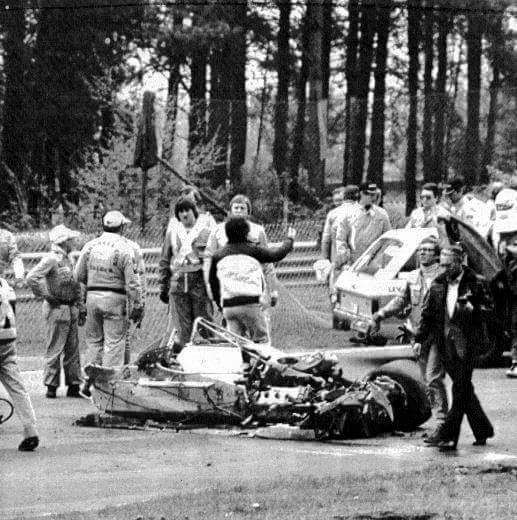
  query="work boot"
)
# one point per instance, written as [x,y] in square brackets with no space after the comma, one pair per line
[51,392]
[29,443]
[512,372]
[73,391]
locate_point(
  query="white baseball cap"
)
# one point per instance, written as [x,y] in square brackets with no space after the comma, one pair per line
[60,233]
[114,219]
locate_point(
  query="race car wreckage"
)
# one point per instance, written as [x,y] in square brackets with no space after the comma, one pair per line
[222,378]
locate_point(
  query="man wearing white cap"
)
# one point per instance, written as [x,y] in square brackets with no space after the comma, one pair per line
[108,267]
[52,280]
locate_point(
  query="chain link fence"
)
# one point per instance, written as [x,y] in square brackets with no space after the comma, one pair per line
[301,320]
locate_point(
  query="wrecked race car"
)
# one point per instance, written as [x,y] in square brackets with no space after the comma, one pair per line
[222,378]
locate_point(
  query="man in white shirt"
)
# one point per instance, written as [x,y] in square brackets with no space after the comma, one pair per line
[427,214]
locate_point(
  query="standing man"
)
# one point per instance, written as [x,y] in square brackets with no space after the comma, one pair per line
[356,234]
[347,210]
[240,206]
[507,232]
[108,268]
[237,281]
[10,375]
[9,254]
[427,214]
[466,206]
[181,269]
[52,280]
[431,365]
[452,317]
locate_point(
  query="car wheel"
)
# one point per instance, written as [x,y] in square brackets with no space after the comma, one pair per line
[417,408]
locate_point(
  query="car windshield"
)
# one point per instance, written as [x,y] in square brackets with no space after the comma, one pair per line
[379,256]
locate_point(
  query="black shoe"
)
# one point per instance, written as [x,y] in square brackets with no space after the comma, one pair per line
[29,444]
[73,391]
[51,392]
[447,445]
[433,439]
[481,441]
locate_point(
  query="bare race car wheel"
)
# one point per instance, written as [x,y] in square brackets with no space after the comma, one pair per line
[417,408]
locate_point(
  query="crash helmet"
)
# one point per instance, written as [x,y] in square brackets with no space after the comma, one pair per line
[506,211]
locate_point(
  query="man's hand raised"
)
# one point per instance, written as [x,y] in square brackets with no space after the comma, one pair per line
[291,233]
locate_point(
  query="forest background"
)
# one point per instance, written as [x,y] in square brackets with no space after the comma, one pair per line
[278,99]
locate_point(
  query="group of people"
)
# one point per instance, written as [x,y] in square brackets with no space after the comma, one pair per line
[204,266]
[448,303]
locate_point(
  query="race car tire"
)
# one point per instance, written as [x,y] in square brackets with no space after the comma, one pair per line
[340,323]
[417,409]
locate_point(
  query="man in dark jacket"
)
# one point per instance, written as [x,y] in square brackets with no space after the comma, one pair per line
[452,317]
[237,280]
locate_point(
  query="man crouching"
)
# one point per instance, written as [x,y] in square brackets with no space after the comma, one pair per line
[237,281]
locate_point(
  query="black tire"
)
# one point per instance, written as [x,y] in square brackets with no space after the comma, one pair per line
[340,323]
[418,407]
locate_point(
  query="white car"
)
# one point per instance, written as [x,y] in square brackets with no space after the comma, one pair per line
[378,275]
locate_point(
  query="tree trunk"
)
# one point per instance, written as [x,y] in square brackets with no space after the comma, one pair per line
[488,149]
[16,103]
[316,120]
[427,124]
[441,99]
[326,46]
[219,112]
[239,111]
[376,157]
[412,128]
[299,129]
[359,105]
[472,144]
[197,115]
[282,96]
[352,45]
[176,58]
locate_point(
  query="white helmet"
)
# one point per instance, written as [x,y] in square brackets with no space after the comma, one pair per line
[506,211]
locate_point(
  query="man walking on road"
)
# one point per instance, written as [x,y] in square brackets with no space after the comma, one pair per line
[10,375]
[108,267]
[52,280]
[452,317]
[431,365]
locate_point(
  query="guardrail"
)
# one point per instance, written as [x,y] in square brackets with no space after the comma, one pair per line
[295,270]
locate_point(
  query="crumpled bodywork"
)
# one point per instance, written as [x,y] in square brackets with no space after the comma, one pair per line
[230,379]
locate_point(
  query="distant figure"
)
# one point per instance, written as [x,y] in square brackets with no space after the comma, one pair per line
[356,234]
[452,317]
[466,206]
[427,214]
[52,279]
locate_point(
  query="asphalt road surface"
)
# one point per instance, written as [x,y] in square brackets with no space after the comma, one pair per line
[86,469]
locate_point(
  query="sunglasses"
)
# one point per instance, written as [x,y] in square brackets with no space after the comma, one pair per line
[426,197]
[426,249]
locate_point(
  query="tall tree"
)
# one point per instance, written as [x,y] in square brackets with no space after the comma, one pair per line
[427,124]
[375,171]
[326,46]
[474,49]
[413,27]
[238,112]
[441,99]
[16,104]
[316,113]
[359,108]
[299,128]
[198,93]
[352,46]
[282,96]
